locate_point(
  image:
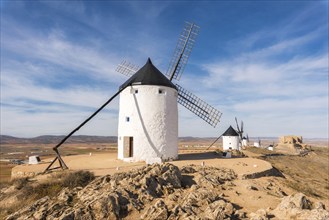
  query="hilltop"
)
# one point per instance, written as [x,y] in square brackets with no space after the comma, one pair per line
[163,192]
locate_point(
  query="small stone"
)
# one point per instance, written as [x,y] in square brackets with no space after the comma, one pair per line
[251,187]
[260,214]
[318,205]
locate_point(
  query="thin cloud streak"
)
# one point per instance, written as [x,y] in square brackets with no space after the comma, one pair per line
[275,77]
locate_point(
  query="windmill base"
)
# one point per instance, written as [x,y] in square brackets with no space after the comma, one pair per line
[153,160]
[149,160]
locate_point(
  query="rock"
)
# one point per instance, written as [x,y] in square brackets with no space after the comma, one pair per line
[67,215]
[318,205]
[261,214]
[295,201]
[158,211]
[107,206]
[280,192]
[299,207]
[188,169]
[319,214]
[198,197]
[29,211]
[239,214]
[65,195]
[116,196]
[173,177]
[213,176]
[251,187]
[219,209]
[41,213]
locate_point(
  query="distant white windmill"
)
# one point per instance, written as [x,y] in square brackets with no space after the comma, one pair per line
[243,140]
[231,139]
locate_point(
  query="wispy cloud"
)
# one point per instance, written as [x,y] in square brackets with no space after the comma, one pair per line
[54,49]
[260,72]
[280,81]
[57,68]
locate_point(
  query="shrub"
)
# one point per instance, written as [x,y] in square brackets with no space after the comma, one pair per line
[20,183]
[79,178]
[28,191]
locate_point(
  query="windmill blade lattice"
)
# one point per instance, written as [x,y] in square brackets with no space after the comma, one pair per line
[183,50]
[198,106]
[127,68]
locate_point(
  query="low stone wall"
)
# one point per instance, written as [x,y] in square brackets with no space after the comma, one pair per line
[21,174]
[270,172]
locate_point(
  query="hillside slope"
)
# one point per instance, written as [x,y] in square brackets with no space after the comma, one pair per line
[167,192]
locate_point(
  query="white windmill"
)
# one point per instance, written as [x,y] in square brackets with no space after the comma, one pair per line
[148,115]
[243,139]
[231,139]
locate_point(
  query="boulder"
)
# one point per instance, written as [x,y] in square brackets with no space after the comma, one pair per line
[158,211]
[260,214]
[299,207]
[219,209]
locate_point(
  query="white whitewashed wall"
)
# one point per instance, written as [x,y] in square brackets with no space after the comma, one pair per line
[153,122]
[230,142]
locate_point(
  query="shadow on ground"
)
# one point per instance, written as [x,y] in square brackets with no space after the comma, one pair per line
[199,156]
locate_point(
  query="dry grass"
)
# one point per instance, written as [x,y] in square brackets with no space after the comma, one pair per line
[308,174]
[28,191]
[5,171]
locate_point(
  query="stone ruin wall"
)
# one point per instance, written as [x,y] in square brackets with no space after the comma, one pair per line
[291,139]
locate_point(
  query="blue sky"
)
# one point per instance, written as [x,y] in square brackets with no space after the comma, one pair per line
[265,62]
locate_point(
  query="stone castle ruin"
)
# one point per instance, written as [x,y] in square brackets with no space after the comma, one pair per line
[291,139]
[290,144]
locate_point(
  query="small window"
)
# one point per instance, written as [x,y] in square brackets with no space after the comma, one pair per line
[133,91]
[162,91]
[127,119]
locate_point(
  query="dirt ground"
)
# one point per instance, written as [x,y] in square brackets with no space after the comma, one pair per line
[308,174]
[299,174]
[107,163]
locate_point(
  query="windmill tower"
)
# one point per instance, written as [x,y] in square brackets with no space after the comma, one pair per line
[148,114]
[231,139]
[148,118]
[245,141]
[242,139]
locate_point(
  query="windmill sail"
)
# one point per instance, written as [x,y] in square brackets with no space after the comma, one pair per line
[183,50]
[240,131]
[199,107]
[127,68]
[176,67]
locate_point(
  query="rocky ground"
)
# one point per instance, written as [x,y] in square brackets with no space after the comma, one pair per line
[168,192]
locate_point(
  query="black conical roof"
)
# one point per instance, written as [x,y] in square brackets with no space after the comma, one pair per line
[148,75]
[230,132]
